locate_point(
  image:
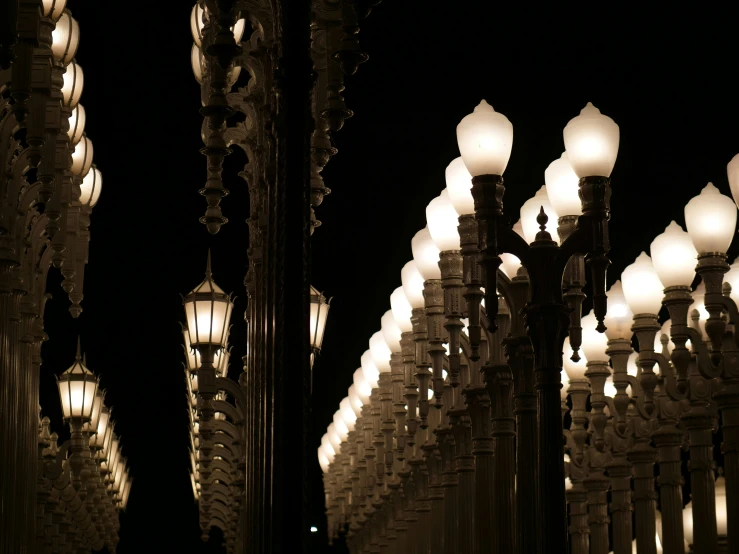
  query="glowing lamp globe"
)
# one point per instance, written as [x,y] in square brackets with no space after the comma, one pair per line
[426,255]
[442,221]
[594,344]
[82,157]
[390,331]
[328,448]
[65,38]
[575,370]
[518,228]
[77,388]
[380,352]
[97,407]
[412,281]
[77,120]
[347,413]
[642,287]
[674,257]
[591,141]
[361,386]
[91,187]
[340,426]
[509,264]
[563,187]
[485,139]
[323,460]
[732,170]
[619,317]
[530,211]
[369,369]
[402,310]
[334,438]
[354,400]
[318,314]
[732,277]
[459,186]
[97,441]
[72,84]
[609,389]
[53,9]
[208,313]
[711,220]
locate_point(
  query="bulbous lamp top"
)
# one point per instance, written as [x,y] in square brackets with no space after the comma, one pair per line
[594,344]
[412,284]
[347,413]
[591,141]
[208,312]
[619,316]
[732,170]
[65,38]
[323,460]
[642,287]
[426,255]
[380,352]
[485,139]
[72,85]
[82,157]
[77,120]
[361,386]
[530,211]
[442,221]
[711,220]
[77,388]
[674,257]
[402,309]
[53,9]
[563,187]
[328,447]
[333,437]
[339,426]
[390,331]
[459,185]
[575,370]
[370,370]
[354,400]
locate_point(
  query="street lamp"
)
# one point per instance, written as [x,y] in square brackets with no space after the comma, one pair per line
[318,314]
[77,388]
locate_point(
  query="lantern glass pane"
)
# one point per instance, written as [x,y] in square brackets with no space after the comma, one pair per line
[64,395]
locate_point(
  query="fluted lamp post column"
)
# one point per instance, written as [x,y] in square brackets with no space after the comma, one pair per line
[485,139]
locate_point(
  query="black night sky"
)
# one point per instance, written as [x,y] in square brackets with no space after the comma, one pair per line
[667,78]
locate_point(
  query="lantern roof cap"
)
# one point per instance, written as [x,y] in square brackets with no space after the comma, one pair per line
[208,286]
[78,367]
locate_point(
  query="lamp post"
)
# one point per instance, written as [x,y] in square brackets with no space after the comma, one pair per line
[485,139]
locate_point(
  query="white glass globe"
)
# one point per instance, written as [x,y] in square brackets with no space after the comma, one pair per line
[485,139]
[339,426]
[575,370]
[355,400]
[711,220]
[390,331]
[459,185]
[642,287]
[594,344]
[563,187]
[347,413]
[443,220]
[380,352]
[619,316]
[426,255]
[363,388]
[412,281]
[402,310]
[674,257]
[530,211]
[732,170]
[509,264]
[591,141]
[369,369]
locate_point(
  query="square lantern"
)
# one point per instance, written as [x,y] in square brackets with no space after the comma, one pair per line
[97,441]
[77,390]
[318,313]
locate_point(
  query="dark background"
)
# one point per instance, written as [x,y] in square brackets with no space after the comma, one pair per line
[667,78]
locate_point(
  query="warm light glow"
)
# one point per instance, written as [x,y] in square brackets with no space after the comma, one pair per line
[73,83]
[77,388]
[53,9]
[518,228]
[363,388]
[631,365]
[77,121]
[334,438]
[591,141]
[609,389]
[402,309]
[318,314]
[721,516]
[530,211]
[82,157]
[328,448]
[674,257]
[355,401]
[594,344]
[208,312]
[91,186]
[390,331]
[442,221]
[711,220]
[380,352]
[347,413]
[619,316]
[699,304]
[563,187]
[642,287]
[485,139]
[688,522]
[509,264]
[412,281]
[65,38]
[732,170]
[426,255]
[459,185]
[575,370]
[369,369]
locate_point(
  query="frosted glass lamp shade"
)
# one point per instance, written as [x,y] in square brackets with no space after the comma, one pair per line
[347,413]
[361,386]
[711,220]
[412,281]
[732,169]
[459,185]
[510,265]
[208,313]
[334,437]
[402,310]
[426,255]
[82,157]
[72,84]
[323,460]
[77,388]
[98,440]
[518,229]
[65,38]
[369,369]
[609,388]
[53,9]
[77,121]
[563,187]
[619,317]
[575,370]
[591,141]
[97,406]
[390,331]
[197,62]
[318,314]
[732,277]
[91,186]
[642,287]
[530,211]
[485,139]
[354,400]
[340,426]
[443,220]
[594,344]
[380,352]
[328,447]
[674,257]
